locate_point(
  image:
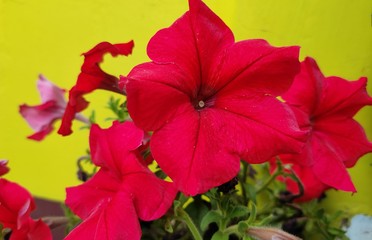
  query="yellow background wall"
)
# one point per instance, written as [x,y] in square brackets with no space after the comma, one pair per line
[43,36]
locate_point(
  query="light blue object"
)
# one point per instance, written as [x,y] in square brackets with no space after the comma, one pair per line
[360,228]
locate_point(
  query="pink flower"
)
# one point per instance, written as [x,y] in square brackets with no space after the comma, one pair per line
[122,191]
[41,117]
[92,77]
[211,101]
[3,167]
[16,205]
[325,107]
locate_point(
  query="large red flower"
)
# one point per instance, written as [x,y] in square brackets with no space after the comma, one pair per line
[92,77]
[16,204]
[325,106]
[211,101]
[42,117]
[122,191]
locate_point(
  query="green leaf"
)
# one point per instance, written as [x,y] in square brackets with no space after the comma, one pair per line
[242,227]
[252,216]
[238,211]
[220,236]
[210,217]
[197,210]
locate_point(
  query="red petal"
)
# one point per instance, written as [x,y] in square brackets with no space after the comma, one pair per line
[343,98]
[155,93]
[191,150]
[344,136]
[329,167]
[93,194]
[16,204]
[194,42]
[118,220]
[255,66]
[111,147]
[152,197]
[259,127]
[32,230]
[92,78]
[306,90]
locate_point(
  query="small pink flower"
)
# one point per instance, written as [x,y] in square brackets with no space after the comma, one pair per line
[3,167]
[92,77]
[211,101]
[325,106]
[16,204]
[122,191]
[41,117]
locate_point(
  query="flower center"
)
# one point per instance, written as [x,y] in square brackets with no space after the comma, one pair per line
[201,104]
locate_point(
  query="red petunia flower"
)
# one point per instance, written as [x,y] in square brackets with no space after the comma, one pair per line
[211,101]
[92,77]
[42,117]
[3,167]
[122,191]
[325,107]
[16,204]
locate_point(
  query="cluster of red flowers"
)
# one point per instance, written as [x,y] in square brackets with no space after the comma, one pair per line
[209,102]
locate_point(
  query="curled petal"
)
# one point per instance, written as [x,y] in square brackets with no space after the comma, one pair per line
[92,77]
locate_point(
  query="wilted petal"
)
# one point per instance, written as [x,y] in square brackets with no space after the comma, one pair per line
[92,77]
[3,167]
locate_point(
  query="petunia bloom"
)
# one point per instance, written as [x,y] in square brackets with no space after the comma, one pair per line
[122,191]
[16,204]
[92,77]
[212,101]
[3,167]
[325,106]
[42,117]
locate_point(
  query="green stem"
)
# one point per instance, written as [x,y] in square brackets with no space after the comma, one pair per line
[183,216]
[268,182]
[243,182]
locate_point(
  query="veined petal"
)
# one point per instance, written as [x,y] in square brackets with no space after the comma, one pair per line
[155,93]
[346,137]
[111,147]
[255,66]
[328,159]
[193,43]
[116,221]
[306,90]
[152,197]
[343,98]
[92,195]
[263,127]
[191,150]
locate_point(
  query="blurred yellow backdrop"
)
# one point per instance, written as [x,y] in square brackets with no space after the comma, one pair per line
[47,37]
